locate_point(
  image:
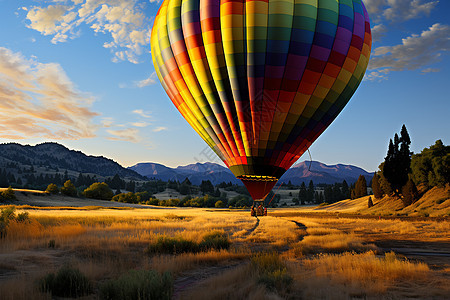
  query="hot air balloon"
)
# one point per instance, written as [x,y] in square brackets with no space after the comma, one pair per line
[260,80]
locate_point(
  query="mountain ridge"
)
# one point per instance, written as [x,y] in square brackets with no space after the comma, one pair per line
[300,172]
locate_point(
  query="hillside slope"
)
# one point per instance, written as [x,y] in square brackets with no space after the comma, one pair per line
[435,202]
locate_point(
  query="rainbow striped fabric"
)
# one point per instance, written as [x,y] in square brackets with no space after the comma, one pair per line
[260,80]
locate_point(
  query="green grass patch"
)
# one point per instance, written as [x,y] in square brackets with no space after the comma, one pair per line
[177,245]
[272,272]
[138,284]
[67,282]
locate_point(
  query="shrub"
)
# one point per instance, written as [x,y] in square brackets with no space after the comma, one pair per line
[69,189]
[169,245]
[8,194]
[8,214]
[126,198]
[172,246]
[67,282]
[272,272]
[52,189]
[215,240]
[219,204]
[138,284]
[152,201]
[98,190]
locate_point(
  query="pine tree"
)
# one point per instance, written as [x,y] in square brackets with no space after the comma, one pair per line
[303,194]
[410,193]
[397,163]
[310,194]
[345,190]
[370,202]
[360,189]
[376,188]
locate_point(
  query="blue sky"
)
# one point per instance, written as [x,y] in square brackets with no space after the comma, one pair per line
[79,73]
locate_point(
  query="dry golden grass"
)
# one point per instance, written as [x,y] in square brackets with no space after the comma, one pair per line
[105,243]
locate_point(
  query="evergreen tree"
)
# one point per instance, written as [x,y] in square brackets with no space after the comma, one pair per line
[303,194]
[345,190]
[376,188]
[370,202]
[328,194]
[310,192]
[360,189]
[397,163]
[410,193]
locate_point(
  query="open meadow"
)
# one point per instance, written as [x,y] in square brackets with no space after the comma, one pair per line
[188,253]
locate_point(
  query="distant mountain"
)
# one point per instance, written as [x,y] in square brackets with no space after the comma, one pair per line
[322,173]
[195,172]
[57,156]
[301,172]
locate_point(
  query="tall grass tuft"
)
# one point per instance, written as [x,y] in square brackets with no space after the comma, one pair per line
[215,240]
[272,272]
[67,282]
[178,245]
[138,284]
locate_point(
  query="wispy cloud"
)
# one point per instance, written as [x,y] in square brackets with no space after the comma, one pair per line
[160,128]
[430,70]
[399,10]
[124,20]
[127,134]
[148,81]
[38,100]
[140,124]
[416,51]
[141,113]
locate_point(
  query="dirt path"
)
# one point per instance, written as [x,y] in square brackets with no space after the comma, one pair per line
[190,279]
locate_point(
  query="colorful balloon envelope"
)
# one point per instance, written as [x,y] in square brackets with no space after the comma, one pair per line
[260,80]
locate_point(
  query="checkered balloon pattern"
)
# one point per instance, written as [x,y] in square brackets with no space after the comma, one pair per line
[260,80]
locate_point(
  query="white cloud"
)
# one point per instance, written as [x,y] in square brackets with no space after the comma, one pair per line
[123,20]
[160,128]
[378,31]
[141,113]
[415,51]
[430,70]
[399,10]
[140,124]
[148,81]
[128,135]
[39,101]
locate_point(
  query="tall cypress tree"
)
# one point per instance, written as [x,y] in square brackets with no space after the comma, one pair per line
[376,188]
[397,163]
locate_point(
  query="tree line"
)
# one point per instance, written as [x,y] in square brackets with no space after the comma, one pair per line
[407,176]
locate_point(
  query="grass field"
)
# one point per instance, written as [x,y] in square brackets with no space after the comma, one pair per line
[224,254]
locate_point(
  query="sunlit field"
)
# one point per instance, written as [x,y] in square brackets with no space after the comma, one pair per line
[224,254]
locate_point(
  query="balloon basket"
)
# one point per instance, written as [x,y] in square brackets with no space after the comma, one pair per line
[258,208]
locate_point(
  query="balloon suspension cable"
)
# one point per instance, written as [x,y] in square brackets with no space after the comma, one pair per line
[275,193]
[310,161]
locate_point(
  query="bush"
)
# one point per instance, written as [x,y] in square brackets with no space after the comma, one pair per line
[98,190]
[272,272]
[126,198]
[67,282]
[69,189]
[169,245]
[138,284]
[8,194]
[215,240]
[52,189]
[219,204]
